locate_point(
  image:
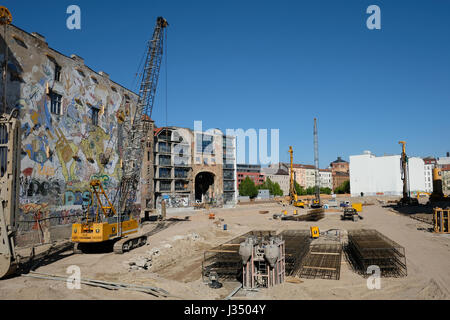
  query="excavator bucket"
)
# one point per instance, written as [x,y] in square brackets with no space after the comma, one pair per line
[9,191]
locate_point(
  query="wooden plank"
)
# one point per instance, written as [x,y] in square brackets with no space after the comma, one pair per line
[326,253]
[222,251]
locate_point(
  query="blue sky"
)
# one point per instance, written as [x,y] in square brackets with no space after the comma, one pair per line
[278,64]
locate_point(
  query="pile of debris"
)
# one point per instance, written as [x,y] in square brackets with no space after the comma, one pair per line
[145,262]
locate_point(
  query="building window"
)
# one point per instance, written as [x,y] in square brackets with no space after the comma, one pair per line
[20,42]
[81,73]
[94,80]
[57,72]
[94,115]
[55,103]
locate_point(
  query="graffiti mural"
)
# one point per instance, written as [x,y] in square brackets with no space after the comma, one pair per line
[62,152]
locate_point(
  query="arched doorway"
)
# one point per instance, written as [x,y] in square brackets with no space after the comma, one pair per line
[204,186]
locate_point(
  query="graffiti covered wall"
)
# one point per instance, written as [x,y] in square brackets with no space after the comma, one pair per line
[63,146]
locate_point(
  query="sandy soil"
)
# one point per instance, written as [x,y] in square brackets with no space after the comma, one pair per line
[176,255]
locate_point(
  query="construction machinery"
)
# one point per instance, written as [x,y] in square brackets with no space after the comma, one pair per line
[316,204]
[438,194]
[118,224]
[9,170]
[294,200]
[350,214]
[406,199]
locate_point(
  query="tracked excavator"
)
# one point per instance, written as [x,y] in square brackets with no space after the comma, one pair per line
[104,222]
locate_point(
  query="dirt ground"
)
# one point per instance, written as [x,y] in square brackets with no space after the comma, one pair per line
[175,256]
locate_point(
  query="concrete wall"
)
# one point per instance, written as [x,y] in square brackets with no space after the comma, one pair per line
[382,175]
[61,153]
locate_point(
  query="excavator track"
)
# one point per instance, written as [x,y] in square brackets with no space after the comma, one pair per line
[129,243]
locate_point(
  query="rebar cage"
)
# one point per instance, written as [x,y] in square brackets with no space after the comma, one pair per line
[322,261]
[367,247]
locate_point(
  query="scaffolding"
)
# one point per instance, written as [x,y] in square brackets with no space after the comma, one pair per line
[371,248]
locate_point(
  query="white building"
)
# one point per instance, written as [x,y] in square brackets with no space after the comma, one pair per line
[279,176]
[326,178]
[382,175]
[430,164]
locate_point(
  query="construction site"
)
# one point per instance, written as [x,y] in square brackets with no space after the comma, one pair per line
[101,203]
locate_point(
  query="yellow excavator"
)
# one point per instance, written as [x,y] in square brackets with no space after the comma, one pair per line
[103,222]
[294,200]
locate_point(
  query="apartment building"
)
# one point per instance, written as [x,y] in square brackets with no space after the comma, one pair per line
[253,171]
[430,164]
[326,178]
[194,167]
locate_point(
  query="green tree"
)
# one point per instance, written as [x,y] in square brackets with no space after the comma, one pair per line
[248,188]
[325,190]
[277,190]
[311,191]
[344,188]
[299,189]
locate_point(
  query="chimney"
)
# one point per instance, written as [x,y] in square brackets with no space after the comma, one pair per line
[77,58]
[448,154]
[40,37]
[104,74]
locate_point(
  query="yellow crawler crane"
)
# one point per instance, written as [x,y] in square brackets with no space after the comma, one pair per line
[105,225]
[117,223]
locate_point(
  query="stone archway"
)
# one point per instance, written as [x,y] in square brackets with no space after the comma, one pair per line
[204,185]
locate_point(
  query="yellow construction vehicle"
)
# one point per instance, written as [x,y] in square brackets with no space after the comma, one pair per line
[422,193]
[294,200]
[105,224]
[119,225]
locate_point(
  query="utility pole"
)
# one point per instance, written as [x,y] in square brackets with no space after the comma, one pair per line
[5,20]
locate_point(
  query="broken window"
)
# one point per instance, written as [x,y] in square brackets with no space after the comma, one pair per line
[81,73]
[94,115]
[20,42]
[57,72]
[55,103]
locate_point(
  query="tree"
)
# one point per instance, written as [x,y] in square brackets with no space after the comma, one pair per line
[311,191]
[344,188]
[299,189]
[248,188]
[325,190]
[277,190]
